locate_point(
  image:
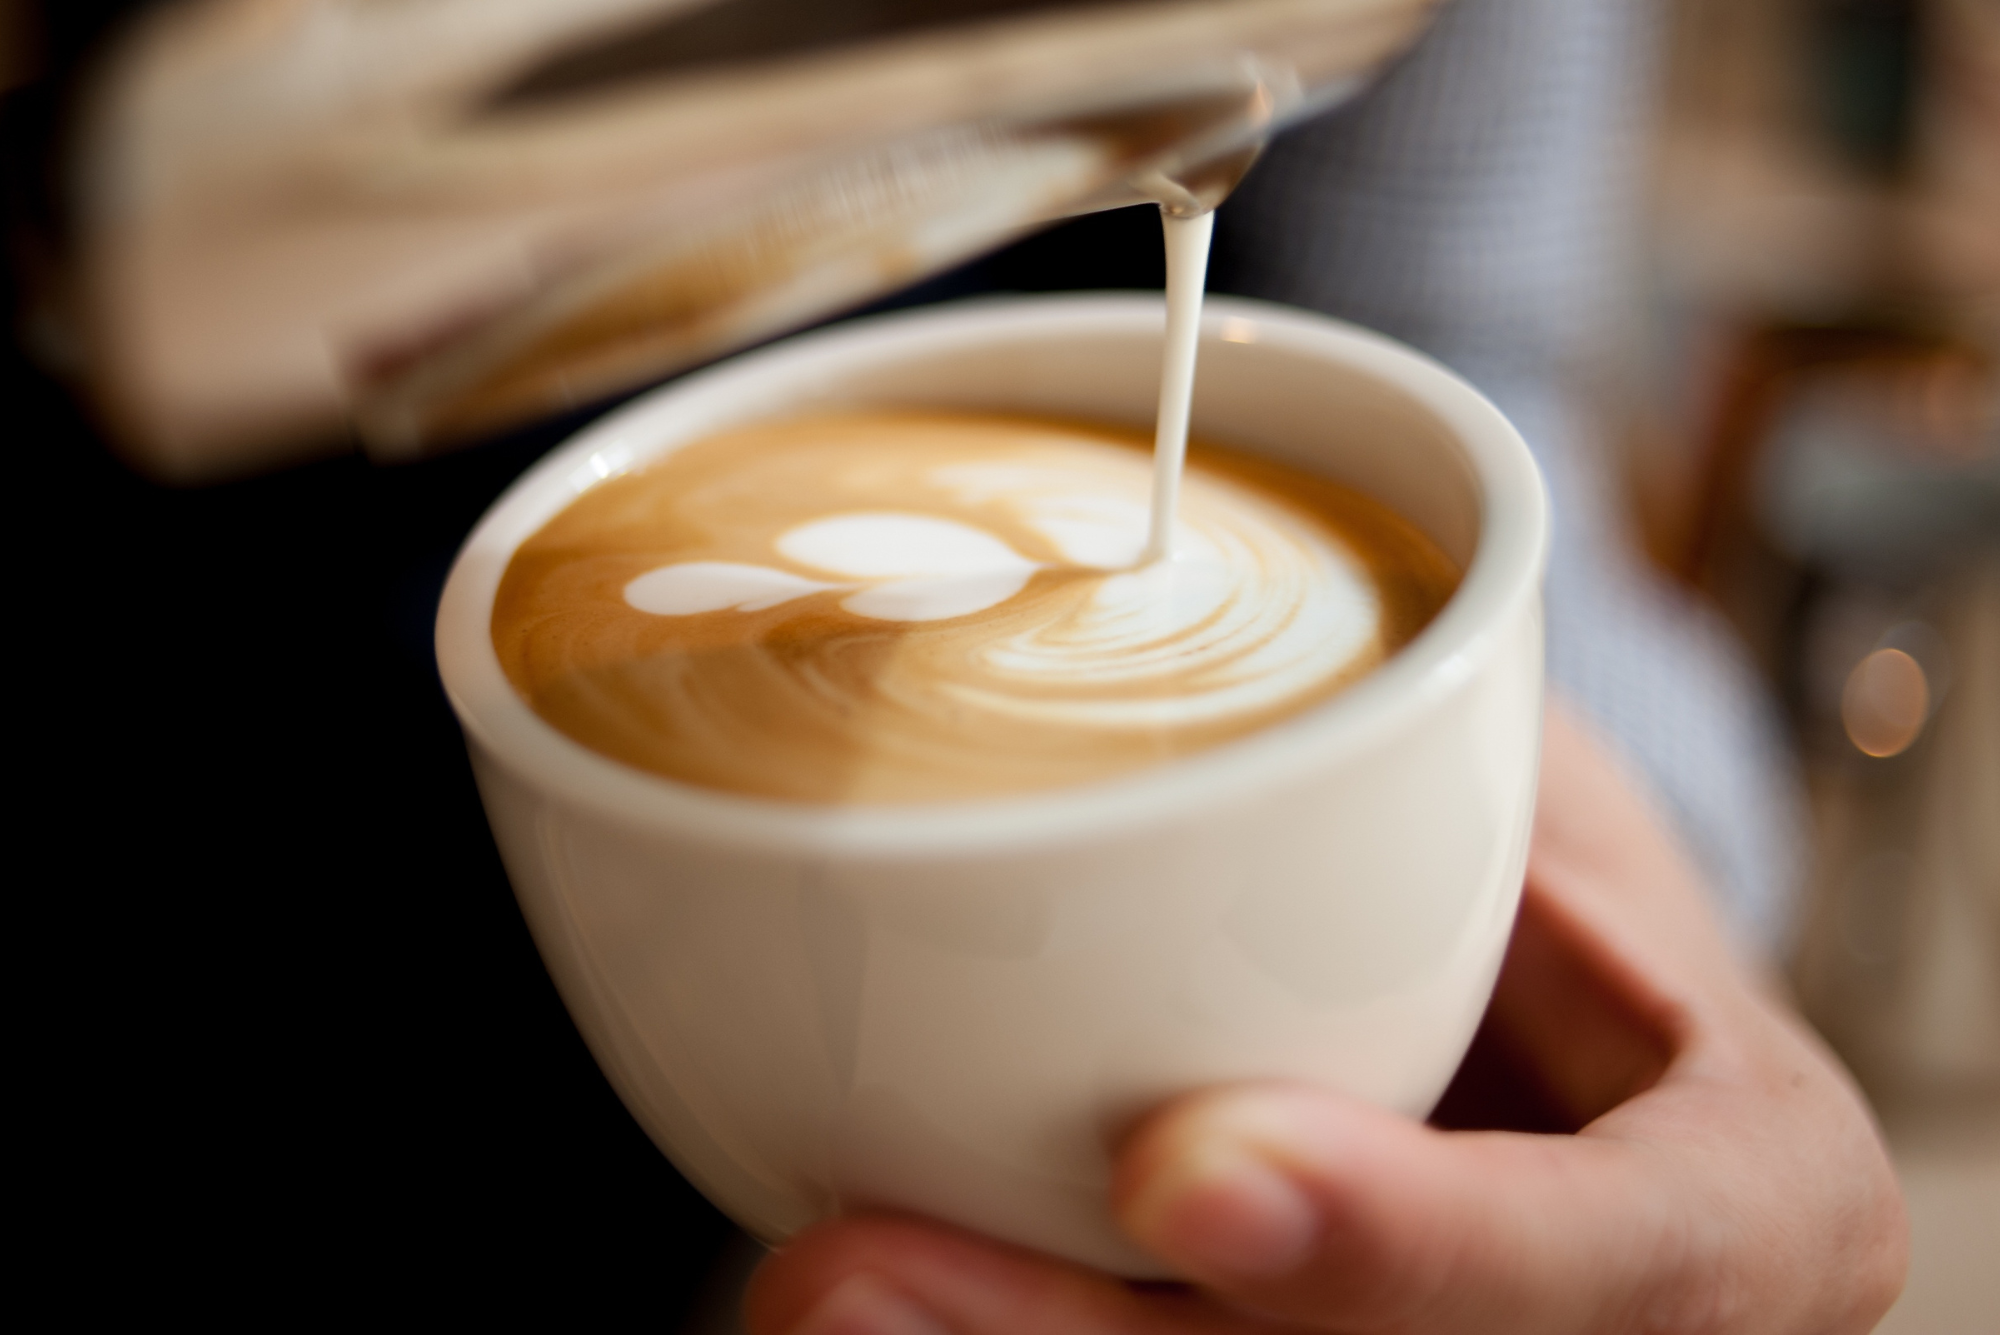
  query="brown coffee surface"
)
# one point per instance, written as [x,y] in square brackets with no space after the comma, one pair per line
[890,607]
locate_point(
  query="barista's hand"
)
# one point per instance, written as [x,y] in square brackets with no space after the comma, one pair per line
[1725,1176]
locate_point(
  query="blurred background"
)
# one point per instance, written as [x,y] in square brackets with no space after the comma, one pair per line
[1819,454]
[287,991]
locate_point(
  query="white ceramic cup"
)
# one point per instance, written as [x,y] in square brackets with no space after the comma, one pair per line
[954,1009]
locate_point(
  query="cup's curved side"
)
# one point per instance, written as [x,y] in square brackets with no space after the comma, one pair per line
[966,1040]
[574,879]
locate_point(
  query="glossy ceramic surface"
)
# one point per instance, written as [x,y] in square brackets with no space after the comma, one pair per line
[953,1010]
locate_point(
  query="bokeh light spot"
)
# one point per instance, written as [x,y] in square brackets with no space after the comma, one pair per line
[1885,702]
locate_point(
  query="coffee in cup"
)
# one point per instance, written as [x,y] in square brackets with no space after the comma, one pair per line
[914,606]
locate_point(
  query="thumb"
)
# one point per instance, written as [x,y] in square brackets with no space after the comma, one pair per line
[1323,1210]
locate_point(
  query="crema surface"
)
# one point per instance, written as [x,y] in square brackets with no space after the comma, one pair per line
[901,607]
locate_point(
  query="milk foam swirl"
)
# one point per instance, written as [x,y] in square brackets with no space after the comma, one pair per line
[899,607]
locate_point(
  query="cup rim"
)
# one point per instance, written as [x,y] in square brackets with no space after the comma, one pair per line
[1505,571]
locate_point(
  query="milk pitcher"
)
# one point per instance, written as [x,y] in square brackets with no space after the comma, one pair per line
[306,222]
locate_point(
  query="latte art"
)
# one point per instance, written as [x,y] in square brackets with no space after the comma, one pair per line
[922,569]
[898,607]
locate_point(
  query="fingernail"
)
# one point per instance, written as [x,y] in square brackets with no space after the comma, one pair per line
[864,1305]
[1224,1211]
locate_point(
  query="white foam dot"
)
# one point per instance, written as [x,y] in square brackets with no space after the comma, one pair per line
[712,586]
[887,545]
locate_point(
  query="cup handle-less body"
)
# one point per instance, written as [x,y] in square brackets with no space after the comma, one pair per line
[962,1039]
[955,1011]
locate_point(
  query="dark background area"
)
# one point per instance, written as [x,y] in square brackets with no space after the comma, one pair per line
[292,1028]
[278,910]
